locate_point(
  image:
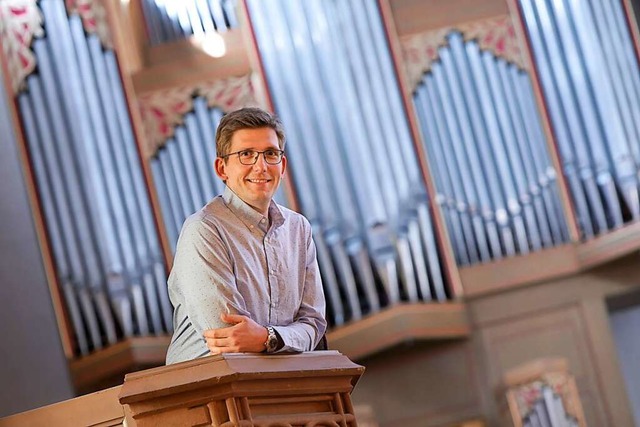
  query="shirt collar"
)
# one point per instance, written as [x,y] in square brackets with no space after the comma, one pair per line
[250,216]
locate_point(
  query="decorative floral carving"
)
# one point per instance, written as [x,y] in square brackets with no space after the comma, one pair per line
[229,94]
[163,110]
[94,18]
[20,22]
[527,395]
[494,34]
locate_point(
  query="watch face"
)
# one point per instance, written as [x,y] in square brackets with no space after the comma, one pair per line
[273,342]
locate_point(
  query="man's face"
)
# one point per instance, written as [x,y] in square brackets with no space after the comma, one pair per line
[254,184]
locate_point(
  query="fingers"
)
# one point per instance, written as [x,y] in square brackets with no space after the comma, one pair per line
[244,336]
[218,333]
[224,345]
[233,318]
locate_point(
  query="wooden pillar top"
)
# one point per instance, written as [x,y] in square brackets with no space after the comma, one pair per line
[218,370]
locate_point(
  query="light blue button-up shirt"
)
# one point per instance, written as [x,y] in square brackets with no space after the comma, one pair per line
[232,259]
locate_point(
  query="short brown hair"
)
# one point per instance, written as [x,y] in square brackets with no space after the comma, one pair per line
[246,118]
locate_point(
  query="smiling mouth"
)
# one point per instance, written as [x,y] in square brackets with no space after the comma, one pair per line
[259,181]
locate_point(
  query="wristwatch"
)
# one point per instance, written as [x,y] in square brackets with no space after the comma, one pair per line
[271,344]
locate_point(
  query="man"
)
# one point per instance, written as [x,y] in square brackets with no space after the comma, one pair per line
[245,276]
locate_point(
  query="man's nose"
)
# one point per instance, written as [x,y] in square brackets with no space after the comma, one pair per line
[261,162]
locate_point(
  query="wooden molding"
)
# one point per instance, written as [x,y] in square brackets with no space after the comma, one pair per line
[609,246]
[548,264]
[397,324]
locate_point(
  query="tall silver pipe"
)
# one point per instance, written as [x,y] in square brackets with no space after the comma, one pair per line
[489,169]
[562,114]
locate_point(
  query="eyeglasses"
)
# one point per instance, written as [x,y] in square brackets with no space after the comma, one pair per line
[250,157]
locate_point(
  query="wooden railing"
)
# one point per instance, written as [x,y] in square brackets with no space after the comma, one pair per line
[228,390]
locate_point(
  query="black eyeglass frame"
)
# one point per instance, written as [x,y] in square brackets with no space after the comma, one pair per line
[257,154]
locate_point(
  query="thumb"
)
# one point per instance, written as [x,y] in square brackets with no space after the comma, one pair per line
[232,318]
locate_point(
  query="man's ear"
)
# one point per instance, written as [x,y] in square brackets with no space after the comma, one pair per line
[220,167]
[284,165]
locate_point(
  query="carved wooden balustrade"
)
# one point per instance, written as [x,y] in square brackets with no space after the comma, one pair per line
[232,390]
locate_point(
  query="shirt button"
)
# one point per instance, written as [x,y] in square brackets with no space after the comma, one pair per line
[273,304]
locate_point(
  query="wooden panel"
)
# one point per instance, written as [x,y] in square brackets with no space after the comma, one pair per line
[519,270]
[422,385]
[182,63]
[552,333]
[610,377]
[191,416]
[269,406]
[416,16]
[563,318]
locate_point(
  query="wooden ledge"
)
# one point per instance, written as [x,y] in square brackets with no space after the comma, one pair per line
[549,264]
[390,327]
[370,335]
